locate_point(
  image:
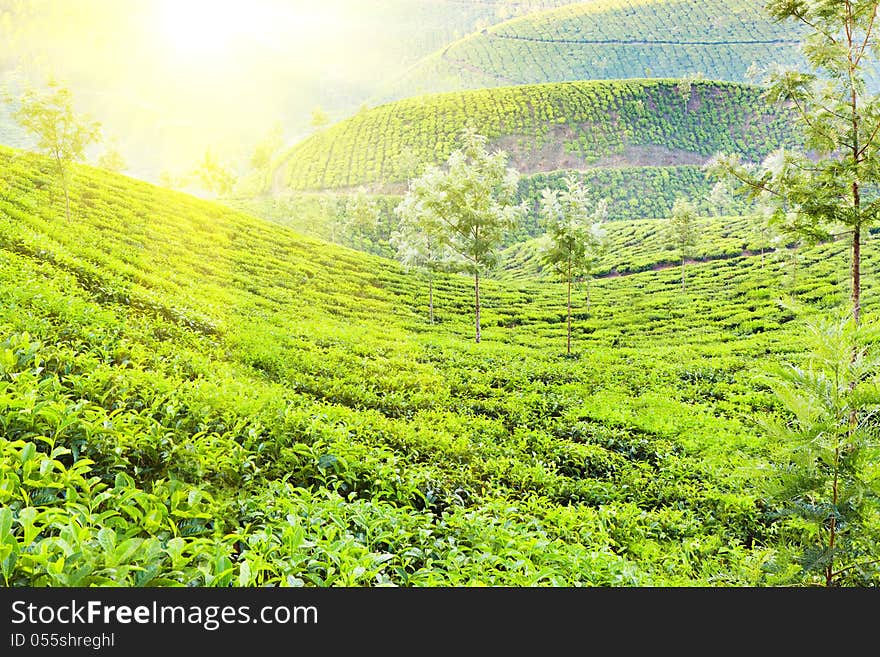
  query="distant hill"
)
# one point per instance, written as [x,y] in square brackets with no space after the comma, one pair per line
[610,39]
[545,128]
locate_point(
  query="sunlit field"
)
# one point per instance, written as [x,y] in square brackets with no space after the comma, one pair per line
[438,294]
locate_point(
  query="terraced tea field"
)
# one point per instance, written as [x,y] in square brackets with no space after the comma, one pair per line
[610,39]
[192,396]
[544,128]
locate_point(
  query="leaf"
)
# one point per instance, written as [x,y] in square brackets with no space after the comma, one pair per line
[244,574]
[28,452]
[5,523]
[107,540]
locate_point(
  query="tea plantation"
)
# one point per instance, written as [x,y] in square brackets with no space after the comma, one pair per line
[630,126]
[610,39]
[193,396]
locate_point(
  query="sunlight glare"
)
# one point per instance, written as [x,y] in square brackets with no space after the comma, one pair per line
[209,28]
[213,28]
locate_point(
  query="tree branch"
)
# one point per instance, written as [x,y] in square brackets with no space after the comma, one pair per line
[855,565]
[870,29]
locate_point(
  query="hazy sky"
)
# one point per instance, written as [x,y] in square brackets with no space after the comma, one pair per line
[170,78]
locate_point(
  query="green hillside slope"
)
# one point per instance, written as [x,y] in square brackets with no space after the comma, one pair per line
[610,39]
[641,245]
[544,128]
[191,396]
[633,193]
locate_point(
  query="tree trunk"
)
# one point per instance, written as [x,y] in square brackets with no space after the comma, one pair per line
[857,274]
[431,298]
[62,173]
[589,279]
[569,307]
[682,273]
[477,304]
[66,201]
[832,530]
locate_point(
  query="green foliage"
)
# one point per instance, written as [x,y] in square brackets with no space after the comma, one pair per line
[60,132]
[641,246]
[832,183]
[254,407]
[824,487]
[544,127]
[608,40]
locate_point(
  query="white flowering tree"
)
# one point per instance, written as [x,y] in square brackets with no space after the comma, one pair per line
[574,239]
[469,205]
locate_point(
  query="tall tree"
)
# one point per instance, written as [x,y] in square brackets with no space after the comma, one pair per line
[573,238]
[419,245]
[471,202]
[681,231]
[214,175]
[264,155]
[61,133]
[832,186]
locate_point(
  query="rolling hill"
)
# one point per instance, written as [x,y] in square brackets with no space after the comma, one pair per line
[192,396]
[640,143]
[610,39]
[545,127]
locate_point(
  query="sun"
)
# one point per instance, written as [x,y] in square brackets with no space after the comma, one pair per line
[206,28]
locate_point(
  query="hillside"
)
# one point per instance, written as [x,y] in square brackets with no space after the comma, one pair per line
[633,193]
[610,39]
[191,396]
[579,125]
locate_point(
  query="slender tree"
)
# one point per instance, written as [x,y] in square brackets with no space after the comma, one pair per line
[825,489]
[681,231]
[831,186]
[685,88]
[61,133]
[214,175]
[573,238]
[264,155]
[419,246]
[471,201]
